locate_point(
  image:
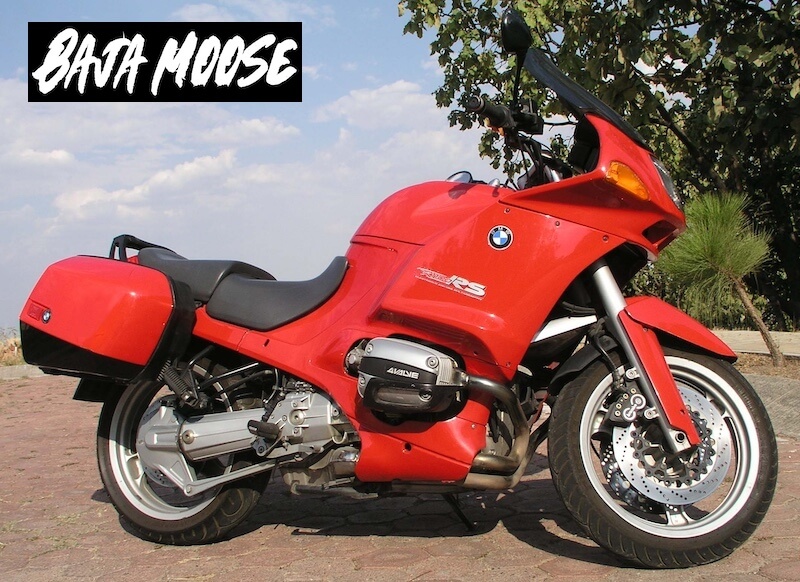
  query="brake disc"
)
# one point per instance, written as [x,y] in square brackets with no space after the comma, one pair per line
[675,479]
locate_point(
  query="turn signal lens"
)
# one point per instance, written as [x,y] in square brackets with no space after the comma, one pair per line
[623,177]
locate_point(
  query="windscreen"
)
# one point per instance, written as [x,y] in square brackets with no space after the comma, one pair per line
[577,99]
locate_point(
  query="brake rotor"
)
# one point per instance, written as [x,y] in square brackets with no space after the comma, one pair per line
[675,479]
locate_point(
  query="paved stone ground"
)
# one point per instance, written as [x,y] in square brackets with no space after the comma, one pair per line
[56,522]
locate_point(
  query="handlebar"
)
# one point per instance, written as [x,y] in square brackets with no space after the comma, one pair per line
[498,115]
[501,116]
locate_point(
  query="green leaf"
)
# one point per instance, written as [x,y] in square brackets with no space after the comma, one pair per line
[729,63]
[795,90]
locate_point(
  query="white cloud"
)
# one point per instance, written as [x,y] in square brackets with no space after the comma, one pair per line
[187,172]
[39,157]
[264,131]
[202,13]
[139,199]
[86,127]
[399,104]
[78,203]
[110,144]
[312,72]
[255,175]
[272,11]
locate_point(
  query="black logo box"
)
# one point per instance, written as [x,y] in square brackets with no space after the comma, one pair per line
[156,35]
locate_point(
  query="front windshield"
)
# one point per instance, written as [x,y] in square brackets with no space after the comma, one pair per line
[577,99]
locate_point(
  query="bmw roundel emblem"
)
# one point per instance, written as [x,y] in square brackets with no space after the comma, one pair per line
[500,237]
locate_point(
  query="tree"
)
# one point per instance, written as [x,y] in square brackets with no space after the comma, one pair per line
[714,85]
[719,249]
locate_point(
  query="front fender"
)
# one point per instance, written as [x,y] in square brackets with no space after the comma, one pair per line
[652,313]
[656,314]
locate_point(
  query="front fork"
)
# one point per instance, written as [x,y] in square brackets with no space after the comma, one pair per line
[643,350]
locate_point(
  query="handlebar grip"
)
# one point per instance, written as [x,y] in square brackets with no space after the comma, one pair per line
[498,115]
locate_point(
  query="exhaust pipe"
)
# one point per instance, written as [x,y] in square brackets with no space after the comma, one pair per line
[488,465]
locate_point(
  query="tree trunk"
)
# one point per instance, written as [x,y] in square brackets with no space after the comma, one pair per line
[777,356]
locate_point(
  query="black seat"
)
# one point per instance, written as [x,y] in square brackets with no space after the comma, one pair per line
[203,276]
[263,305]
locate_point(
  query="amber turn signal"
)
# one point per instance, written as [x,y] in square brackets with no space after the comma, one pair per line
[625,178]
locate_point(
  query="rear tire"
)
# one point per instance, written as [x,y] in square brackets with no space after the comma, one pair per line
[154,507]
[642,503]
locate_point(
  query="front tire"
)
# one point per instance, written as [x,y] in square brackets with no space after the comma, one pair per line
[646,505]
[156,509]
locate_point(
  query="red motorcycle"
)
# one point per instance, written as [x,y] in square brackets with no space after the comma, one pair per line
[423,360]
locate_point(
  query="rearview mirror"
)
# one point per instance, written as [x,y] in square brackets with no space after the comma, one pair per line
[463,176]
[515,34]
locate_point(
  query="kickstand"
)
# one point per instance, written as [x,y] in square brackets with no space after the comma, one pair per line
[453,502]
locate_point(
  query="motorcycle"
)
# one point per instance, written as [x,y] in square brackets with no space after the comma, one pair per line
[467,323]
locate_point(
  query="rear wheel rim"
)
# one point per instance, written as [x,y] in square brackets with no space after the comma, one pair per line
[148,491]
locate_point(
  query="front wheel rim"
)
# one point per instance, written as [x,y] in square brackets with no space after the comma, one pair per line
[680,522]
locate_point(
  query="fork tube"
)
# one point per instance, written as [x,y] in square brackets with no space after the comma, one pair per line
[614,304]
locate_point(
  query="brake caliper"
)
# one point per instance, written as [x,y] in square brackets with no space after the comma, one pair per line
[629,404]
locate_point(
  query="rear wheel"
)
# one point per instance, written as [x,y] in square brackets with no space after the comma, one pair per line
[646,504]
[156,508]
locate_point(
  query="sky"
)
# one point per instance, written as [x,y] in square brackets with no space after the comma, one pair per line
[280,185]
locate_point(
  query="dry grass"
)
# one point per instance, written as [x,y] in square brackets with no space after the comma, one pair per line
[762,365]
[10,349]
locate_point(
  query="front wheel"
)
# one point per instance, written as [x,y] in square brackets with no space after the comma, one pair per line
[646,504]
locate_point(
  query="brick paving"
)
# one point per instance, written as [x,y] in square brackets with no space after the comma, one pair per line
[56,522]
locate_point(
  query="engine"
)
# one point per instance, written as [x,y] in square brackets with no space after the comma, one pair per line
[401,377]
[303,422]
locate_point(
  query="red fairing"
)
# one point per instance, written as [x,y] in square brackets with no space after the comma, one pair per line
[591,200]
[479,301]
[421,266]
[111,308]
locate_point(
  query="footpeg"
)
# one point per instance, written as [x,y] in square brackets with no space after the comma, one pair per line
[266,430]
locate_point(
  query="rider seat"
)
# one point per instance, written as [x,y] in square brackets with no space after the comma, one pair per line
[241,294]
[263,305]
[202,276]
